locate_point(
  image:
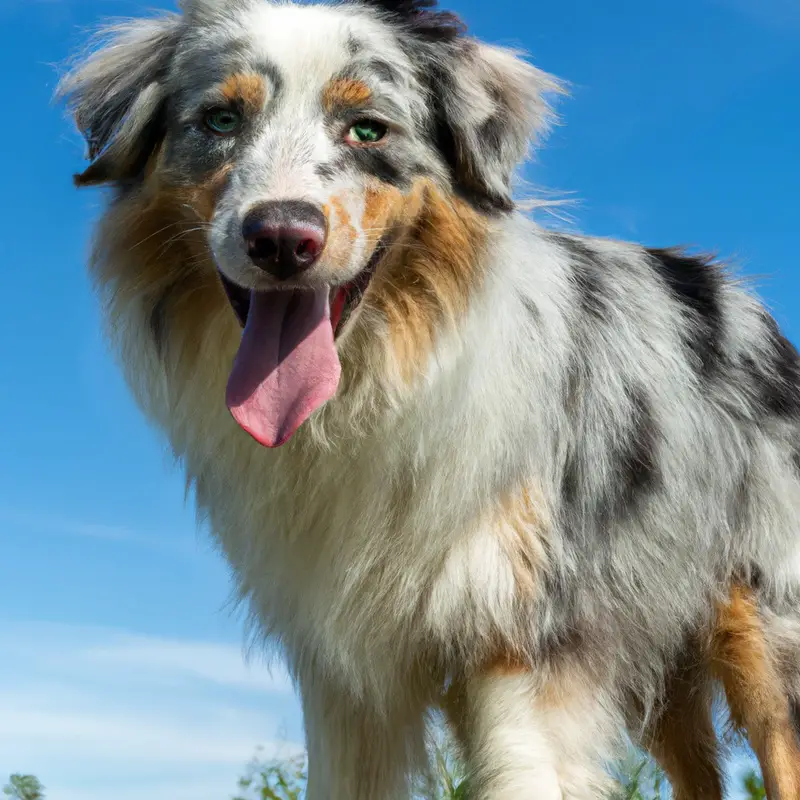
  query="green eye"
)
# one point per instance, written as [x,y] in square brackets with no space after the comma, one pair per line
[367,132]
[223,121]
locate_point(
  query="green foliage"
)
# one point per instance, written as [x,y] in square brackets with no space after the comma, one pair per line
[449,780]
[274,779]
[285,779]
[754,786]
[639,778]
[24,787]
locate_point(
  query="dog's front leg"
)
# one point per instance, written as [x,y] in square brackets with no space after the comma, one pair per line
[355,753]
[526,739]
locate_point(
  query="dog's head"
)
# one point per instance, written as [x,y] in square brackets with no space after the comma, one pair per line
[337,167]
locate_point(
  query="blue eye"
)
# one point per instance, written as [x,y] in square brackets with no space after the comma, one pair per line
[223,121]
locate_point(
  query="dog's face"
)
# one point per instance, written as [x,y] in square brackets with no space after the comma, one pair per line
[341,162]
[307,126]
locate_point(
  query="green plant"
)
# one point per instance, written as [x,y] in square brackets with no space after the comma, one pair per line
[449,780]
[754,786]
[275,779]
[24,787]
[638,778]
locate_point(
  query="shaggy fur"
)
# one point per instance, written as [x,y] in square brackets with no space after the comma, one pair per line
[550,457]
[756,665]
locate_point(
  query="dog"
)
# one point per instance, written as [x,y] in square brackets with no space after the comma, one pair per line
[546,482]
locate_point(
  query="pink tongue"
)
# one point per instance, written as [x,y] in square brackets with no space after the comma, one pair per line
[286,367]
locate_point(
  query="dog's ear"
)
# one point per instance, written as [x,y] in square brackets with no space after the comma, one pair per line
[117,97]
[491,106]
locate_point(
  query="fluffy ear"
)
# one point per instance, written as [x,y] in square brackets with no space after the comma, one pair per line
[117,97]
[491,107]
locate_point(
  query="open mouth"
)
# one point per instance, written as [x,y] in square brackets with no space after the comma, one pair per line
[287,365]
[344,299]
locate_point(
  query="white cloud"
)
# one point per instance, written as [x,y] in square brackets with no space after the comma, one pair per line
[94,712]
[57,525]
[101,654]
[124,736]
[212,662]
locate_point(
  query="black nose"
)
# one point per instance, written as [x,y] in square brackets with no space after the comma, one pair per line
[284,238]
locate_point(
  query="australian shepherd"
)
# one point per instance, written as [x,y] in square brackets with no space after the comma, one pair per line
[547,483]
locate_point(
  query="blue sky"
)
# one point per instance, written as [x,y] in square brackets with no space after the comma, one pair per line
[121,672]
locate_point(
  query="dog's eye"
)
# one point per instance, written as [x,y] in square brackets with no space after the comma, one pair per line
[366,132]
[223,121]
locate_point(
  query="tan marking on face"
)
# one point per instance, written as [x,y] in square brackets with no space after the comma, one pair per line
[247,88]
[341,233]
[152,252]
[385,207]
[756,695]
[343,93]
[434,268]
[343,218]
[203,198]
